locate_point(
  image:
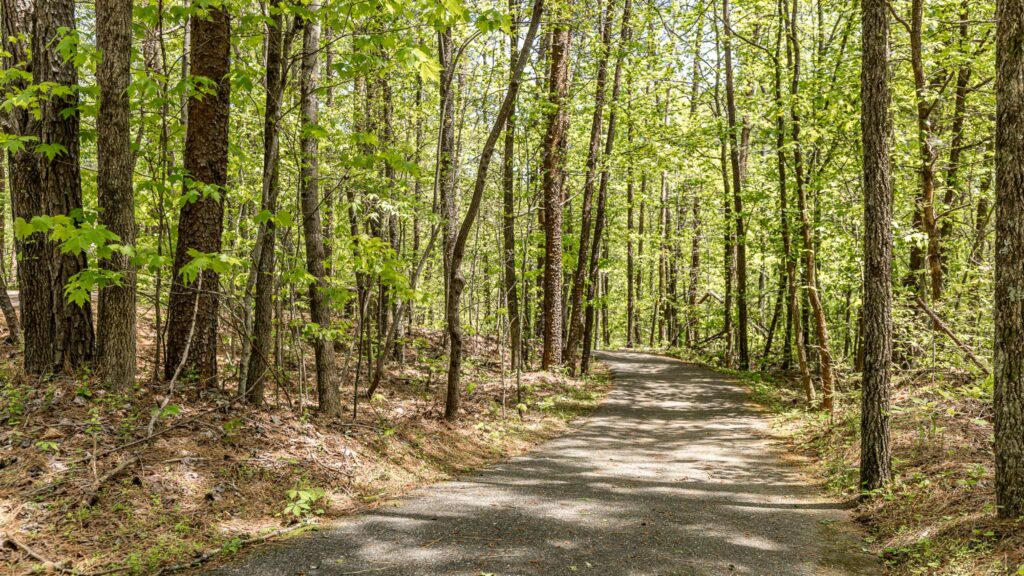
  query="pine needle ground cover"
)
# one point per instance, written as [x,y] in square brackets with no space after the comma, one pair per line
[219,476]
[937,517]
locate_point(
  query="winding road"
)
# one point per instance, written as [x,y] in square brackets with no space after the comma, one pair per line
[672,475]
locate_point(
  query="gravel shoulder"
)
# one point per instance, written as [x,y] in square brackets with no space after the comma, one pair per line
[673,475]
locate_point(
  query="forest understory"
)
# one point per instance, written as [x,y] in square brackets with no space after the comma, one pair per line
[937,516]
[215,476]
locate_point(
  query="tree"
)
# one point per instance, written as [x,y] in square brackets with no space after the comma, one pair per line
[581,275]
[35,298]
[737,195]
[455,279]
[925,218]
[1009,253]
[555,146]
[60,177]
[875,469]
[264,251]
[328,395]
[194,344]
[810,259]
[508,220]
[625,36]
[115,329]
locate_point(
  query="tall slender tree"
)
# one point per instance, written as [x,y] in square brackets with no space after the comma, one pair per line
[625,37]
[555,146]
[35,296]
[581,274]
[1009,275]
[875,468]
[455,278]
[508,218]
[115,328]
[264,252]
[809,245]
[328,394]
[737,193]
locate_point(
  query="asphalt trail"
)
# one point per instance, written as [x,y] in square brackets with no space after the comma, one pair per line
[673,475]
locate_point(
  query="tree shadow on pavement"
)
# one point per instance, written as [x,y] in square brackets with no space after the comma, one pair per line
[673,475]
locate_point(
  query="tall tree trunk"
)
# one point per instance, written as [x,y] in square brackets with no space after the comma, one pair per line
[555,147]
[693,287]
[445,182]
[625,36]
[728,243]
[266,238]
[455,279]
[696,237]
[508,221]
[820,324]
[737,194]
[327,392]
[116,319]
[780,151]
[580,274]
[875,468]
[640,256]
[10,316]
[1009,275]
[202,214]
[631,327]
[924,210]
[35,297]
[60,177]
[956,144]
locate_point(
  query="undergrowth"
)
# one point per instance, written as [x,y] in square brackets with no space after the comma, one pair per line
[937,516]
[231,474]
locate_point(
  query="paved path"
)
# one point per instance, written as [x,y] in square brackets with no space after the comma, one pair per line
[671,476]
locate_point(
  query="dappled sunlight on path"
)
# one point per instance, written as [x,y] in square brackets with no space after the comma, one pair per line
[672,475]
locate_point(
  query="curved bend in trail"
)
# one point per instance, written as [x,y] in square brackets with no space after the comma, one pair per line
[671,476]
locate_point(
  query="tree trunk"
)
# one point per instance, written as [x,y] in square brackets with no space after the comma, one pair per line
[820,325]
[555,147]
[737,194]
[115,329]
[631,327]
[455,279]
[956,144]
[10,316]
[328,394]
[729,249]
[625,34]
[264,252]
[202,214]
[780,150]
[35,297]
[60,178]
[875,468]
[924,212]
[581,275]
[446,150]
[508,221]
[694,284]
[1009,275]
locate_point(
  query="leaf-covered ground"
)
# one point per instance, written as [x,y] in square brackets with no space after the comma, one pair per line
[219,475]
[938,516]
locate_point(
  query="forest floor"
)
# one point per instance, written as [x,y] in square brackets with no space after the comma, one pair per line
[77,496]
[673,474]
[937,517]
